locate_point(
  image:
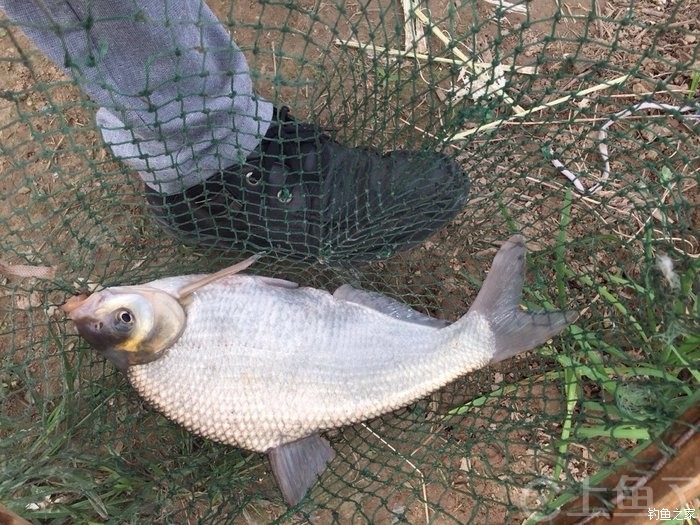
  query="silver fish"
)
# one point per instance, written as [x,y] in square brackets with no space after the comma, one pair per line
[265,364]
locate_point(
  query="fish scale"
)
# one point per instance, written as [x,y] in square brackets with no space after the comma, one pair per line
[289,372]
[264,364]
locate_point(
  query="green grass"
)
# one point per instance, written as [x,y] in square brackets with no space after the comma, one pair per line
[643,382]
[638,398]
[694,83]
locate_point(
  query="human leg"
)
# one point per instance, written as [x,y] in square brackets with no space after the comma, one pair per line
[175,92]
[177,105]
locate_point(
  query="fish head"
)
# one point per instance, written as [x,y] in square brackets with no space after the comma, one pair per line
[130,325]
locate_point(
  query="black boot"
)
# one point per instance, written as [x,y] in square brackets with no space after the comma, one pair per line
[308,197]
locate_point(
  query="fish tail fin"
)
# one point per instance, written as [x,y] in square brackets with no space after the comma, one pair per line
[498,301]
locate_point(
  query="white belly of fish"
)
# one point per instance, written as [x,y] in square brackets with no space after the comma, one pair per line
[259,365]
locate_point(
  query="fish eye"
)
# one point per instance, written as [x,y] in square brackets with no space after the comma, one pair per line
[124,318]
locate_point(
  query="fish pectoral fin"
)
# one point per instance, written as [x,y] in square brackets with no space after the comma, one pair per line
[195,285]
[386,305]
[298,464]
[274,281]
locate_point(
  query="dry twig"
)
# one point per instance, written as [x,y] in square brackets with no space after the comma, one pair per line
[26,270]
[413,29]
[373,49]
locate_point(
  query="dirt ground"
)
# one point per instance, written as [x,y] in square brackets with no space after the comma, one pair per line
[411,465]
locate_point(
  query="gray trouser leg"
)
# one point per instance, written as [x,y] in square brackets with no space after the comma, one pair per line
[175,95]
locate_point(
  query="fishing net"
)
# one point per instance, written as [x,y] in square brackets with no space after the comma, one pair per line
[578,126]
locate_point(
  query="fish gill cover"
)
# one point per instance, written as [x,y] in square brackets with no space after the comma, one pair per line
[573,124]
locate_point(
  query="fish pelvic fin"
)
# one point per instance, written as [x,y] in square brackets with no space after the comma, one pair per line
[298,464]
[498,301]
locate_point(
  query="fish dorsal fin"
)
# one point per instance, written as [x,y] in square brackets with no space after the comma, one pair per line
[298,464]
[386,305]
[192,287]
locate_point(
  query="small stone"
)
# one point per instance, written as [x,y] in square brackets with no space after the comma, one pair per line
[639,87]
[651,155]
[27,302]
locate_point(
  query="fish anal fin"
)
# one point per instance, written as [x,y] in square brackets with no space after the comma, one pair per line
[386,305]
[298,464]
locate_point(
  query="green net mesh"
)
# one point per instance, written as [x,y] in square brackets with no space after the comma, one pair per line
[518,94]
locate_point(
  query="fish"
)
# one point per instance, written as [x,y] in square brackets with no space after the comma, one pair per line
[268,365]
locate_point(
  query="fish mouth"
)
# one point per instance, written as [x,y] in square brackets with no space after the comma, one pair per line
[73,303]
[82,310]
[80,306]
